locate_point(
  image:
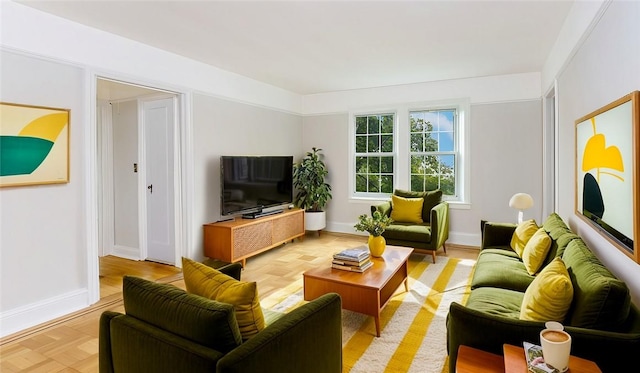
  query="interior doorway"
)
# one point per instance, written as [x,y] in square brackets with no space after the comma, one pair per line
[138,169]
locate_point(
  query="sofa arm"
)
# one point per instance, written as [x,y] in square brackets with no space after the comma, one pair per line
[497,234]
[105,364]
[384,208]
[611,351]
[308,339]
[439,224]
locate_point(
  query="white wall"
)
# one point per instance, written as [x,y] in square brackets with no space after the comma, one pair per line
[43,261]
[223,127]
[604,68]
[125,180]
[505,135]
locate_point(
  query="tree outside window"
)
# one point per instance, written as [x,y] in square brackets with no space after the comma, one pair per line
[374,139]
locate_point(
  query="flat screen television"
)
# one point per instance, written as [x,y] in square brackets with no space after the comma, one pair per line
[255,185]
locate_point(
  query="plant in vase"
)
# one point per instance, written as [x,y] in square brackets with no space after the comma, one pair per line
[313,193]
[375,225]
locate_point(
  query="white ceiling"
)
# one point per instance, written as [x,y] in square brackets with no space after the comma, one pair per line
[320,46]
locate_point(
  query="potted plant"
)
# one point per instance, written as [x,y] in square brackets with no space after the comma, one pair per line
[313,192]
[375,225]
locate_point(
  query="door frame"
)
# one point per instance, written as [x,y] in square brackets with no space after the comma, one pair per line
[183,173]
[550,133]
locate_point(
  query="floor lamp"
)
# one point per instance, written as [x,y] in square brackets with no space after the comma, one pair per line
[521,202]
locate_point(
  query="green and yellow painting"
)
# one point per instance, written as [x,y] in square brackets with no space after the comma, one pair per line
[34,143]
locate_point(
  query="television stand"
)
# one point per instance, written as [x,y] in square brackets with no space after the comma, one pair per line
[237,240]
[255,215]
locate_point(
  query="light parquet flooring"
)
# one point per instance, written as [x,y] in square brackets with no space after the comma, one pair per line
[70,343]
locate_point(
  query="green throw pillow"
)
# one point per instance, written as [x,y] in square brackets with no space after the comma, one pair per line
[536,250]
[209,283]
[523,233]
[406,210]
[549,295]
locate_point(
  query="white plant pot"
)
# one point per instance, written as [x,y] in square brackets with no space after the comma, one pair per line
[315,221]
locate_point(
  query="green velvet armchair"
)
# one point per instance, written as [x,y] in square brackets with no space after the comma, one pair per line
[428,236]
[165,329]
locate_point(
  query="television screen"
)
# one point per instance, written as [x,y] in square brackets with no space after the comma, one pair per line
[253,183]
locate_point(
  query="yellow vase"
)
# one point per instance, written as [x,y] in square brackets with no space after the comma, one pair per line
[377,245]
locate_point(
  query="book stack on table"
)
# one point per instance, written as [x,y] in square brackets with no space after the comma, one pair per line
[355,260]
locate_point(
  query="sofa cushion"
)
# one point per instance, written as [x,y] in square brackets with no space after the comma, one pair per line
[601,301]
[406,210]
[496,301]
[431,199]
[500,268]
[535,251]
[408,232]
[549,296]
[209,323]
[210,283]
[523,233]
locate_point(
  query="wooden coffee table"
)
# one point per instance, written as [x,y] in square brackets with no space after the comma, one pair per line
[366,292]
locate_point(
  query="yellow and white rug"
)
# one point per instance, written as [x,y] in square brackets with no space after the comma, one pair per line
[413,324]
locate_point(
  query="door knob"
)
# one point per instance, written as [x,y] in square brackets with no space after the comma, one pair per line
[150,187]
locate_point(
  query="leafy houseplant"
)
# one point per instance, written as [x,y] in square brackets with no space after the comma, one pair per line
[375,224]
[313,192]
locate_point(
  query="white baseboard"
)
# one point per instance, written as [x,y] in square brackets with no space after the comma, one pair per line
[28,316]
[456,238]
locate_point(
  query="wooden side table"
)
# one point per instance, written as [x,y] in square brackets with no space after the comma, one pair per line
[472,360]
[515,362]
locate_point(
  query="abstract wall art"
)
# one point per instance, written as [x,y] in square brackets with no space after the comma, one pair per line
[607,174]
[34,145]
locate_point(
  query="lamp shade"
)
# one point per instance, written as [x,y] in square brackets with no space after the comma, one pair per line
[521,201]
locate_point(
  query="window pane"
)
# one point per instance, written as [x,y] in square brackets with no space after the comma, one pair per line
[361,165]
[386,184]
[416,119]
[386,164]
[446,142]
[374,165]
[361,183]
[361,144]
[448,185]
[417,162]
[447,164]
[431,183]
[430,142]
[361,125]
[431,165]
[387,124]
[374,144]
[417,183]
[387,143]
[374,182]
[416,142]
[374,124]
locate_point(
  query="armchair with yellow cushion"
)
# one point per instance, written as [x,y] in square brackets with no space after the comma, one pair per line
[420,220]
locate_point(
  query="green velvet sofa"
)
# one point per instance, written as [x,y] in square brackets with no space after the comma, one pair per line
[603,323]
[428,236]
[164,329]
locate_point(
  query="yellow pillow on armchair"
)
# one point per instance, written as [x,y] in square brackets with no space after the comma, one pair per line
[215,285]
[406,210]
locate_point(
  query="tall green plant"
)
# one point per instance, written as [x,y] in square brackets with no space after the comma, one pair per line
[313,192]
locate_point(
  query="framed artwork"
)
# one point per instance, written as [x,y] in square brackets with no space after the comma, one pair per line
[34,145]
[607,175]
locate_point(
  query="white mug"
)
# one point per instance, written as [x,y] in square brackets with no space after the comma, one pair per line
[556,348]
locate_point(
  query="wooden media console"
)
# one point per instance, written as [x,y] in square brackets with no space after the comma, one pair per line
[239,239]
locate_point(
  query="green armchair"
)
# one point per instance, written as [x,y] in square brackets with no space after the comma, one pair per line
[164,329]
[430,235]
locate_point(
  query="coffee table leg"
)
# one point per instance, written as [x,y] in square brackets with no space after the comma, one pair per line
[377,320]
[406,284]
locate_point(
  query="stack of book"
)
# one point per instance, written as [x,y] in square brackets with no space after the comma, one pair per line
[356,260]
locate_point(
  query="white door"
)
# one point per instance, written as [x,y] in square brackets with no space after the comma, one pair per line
[158,120]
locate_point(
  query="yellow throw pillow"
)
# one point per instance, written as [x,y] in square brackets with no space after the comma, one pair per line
[549,296]
[406,210]
[535,251]
[209,283]
[524,231]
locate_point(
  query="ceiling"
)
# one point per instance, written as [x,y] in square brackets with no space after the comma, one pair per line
[321,46]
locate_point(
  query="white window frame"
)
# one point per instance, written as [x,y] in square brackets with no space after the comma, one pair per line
[402,153]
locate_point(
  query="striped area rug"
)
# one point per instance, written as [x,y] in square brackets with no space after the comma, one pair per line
[413,324]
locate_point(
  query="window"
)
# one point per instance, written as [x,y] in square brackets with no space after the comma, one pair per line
[433,150]
[412,146]
[374,153]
